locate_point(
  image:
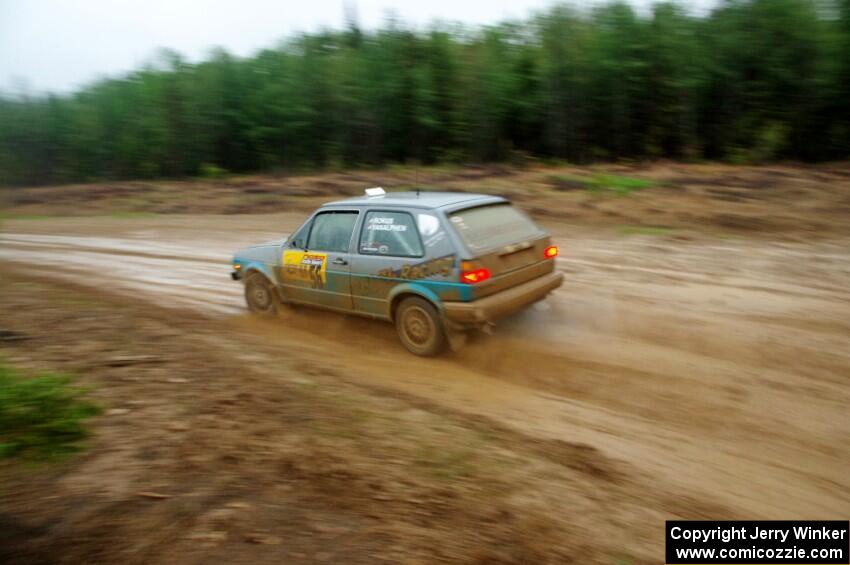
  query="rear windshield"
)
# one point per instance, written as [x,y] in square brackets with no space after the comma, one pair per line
[486,227]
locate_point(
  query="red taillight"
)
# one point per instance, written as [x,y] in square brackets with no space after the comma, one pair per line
[474,276]
[550,252]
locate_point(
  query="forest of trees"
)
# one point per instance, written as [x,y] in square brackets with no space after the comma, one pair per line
[752,80]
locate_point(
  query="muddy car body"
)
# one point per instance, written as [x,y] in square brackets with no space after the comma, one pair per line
[435,264]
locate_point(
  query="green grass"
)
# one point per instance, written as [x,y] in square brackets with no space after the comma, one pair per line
[13,216]
[618,184]
[209,171]
[41,417]
[600,183]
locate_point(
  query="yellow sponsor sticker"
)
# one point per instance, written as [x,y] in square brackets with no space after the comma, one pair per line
[305,266]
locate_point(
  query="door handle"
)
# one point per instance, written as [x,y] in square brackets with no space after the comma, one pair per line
[340,261]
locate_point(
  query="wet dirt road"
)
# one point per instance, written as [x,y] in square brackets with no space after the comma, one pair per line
[719,367]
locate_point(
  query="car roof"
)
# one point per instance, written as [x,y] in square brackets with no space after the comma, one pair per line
[420,200]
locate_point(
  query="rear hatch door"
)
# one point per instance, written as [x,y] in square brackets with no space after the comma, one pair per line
[503,240]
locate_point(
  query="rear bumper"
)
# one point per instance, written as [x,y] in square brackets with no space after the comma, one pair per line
[491,308]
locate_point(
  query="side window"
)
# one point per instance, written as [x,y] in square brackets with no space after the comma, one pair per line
[298,239]
[390,233]
[331,231]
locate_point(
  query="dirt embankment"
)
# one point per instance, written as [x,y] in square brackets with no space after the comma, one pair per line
[779,200]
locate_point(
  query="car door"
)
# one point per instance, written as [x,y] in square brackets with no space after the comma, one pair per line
[389,250]
[315,269]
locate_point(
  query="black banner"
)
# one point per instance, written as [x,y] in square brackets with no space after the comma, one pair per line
[816,542]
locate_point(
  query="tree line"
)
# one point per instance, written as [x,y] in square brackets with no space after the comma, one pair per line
[751,80]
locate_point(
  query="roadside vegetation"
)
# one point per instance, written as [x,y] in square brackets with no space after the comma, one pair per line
[601,183]
[41,417]
[748,82]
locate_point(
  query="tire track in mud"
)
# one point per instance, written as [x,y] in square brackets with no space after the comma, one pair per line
[144,269]
[164,250]
[684,365]
[126,247]
[196,276]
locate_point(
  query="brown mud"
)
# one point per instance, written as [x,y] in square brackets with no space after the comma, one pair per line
[694,372]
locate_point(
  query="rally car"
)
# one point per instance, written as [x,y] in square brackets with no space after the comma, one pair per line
[434,263]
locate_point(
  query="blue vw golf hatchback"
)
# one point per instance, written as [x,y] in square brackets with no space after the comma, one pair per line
[434,263]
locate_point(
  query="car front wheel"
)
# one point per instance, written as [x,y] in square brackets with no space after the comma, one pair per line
[419,327]
[259,295]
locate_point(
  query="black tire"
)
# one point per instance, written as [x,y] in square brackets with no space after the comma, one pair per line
[260,295]
[420,327]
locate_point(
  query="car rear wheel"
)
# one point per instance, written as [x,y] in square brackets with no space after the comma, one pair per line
[260,295]
[419,327]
